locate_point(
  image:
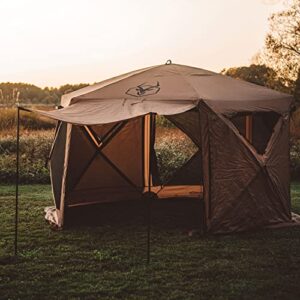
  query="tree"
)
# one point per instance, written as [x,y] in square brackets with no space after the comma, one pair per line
[261,75]
[282,43]
[20,92]
[68,88]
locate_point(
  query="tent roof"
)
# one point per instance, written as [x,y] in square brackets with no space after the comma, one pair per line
[165,89]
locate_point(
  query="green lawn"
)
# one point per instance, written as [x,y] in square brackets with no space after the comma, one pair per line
[108,260]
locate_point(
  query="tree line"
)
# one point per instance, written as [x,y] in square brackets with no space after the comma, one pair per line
[12,93]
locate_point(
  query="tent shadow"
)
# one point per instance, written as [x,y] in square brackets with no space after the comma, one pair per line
[181,214]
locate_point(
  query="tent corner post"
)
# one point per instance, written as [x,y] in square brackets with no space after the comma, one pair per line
[17,183]
[149,188]
[148,228]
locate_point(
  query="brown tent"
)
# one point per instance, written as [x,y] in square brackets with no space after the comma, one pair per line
[103,149]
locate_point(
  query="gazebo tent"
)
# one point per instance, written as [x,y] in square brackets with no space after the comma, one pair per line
[103,149]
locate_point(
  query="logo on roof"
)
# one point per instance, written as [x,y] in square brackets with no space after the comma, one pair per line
[144,89]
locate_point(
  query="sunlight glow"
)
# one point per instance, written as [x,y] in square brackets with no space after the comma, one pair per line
[70,41]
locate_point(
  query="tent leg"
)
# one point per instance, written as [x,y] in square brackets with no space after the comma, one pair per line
[148,229]
[149,192]
[17,184]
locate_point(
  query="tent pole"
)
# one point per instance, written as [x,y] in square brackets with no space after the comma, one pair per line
[149,192]
[17,183]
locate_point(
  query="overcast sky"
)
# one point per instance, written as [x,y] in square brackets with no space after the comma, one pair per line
[53,42]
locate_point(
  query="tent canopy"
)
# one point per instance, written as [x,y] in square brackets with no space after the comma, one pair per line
[241,131]
[166,90]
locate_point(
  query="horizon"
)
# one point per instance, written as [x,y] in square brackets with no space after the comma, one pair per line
[47,44]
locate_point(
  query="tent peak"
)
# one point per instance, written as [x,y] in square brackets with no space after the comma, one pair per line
[171,82]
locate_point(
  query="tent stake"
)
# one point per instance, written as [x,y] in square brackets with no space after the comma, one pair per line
[17,184]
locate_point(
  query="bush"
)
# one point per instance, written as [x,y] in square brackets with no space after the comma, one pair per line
[29,121]
[161,121]
[173,149]
[34,151]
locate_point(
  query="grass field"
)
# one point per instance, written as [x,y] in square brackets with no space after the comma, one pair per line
[108,261]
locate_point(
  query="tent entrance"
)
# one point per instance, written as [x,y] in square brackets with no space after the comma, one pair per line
[176,170]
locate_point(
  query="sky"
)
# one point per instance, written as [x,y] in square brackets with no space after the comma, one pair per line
[54,42]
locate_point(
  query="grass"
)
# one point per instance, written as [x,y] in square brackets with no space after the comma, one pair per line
[108,261]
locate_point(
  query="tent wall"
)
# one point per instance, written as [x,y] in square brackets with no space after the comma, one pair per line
[58,169]
[109,171]
[57,162]
[243,189]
